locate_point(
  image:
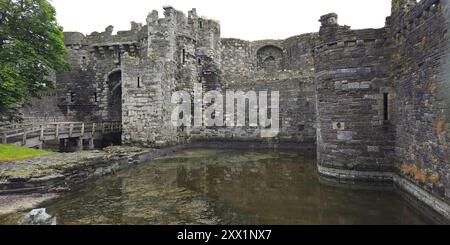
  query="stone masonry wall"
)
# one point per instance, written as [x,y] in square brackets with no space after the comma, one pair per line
[147,86]
[85,92]
[352,78]
[375,101]
[420,78]
[240,61]
[76,87]
[190,50]
[243,69]
[297,117]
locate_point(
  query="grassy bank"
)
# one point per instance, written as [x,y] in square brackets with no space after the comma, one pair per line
[10,152]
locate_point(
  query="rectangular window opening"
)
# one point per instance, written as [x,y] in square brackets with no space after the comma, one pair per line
[72,97]
[386,106]
[138,82]
[184,56]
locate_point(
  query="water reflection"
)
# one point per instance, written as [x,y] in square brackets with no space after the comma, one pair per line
[203,186]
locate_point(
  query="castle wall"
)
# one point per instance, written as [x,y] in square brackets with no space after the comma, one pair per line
[266,66]
[354,139]
[146,93]
[420,78]
[382,101]
[207,33]
[191,51]
[43,109]
[76,92]
[299,56]
[171,65]
[237,63]
[297,117]
[85,92]
[107,54]
[243,61]
[375,101]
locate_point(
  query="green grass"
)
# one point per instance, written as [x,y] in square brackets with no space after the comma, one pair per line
[10,152]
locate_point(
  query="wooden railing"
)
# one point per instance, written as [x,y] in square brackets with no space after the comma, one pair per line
[52,131]
[14,126]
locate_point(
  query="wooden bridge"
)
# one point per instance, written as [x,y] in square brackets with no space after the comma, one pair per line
[34,136]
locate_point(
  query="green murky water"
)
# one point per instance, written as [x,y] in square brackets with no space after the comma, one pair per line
[203,186]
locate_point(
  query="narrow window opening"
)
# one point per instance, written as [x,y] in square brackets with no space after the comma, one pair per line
[200,24]
[72,97]
[199,61]
[138,82]
[95,97]
[386,106]
[184,56]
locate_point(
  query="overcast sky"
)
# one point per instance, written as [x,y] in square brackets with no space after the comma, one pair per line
[244,19]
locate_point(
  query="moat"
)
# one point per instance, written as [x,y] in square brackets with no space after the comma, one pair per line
[212,186]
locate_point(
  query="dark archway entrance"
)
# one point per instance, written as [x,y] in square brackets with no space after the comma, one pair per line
[114,83]
[114,107]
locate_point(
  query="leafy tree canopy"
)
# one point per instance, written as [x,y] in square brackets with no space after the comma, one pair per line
[31,47]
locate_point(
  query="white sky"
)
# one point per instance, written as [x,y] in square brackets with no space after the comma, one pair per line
[244,19]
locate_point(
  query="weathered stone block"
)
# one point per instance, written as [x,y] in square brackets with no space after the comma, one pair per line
[345,135]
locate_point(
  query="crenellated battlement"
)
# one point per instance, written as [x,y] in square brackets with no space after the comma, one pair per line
[332,35]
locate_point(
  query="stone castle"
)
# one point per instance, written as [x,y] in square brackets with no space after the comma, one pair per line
[375,103]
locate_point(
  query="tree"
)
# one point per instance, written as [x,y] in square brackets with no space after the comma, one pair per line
[31,47]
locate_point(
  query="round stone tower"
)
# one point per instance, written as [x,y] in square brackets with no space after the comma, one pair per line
[354,133]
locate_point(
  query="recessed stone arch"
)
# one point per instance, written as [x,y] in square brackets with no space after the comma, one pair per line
[270,58]
[114,96]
